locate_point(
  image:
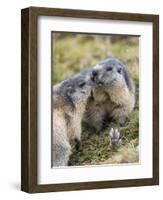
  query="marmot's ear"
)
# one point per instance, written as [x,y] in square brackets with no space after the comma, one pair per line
[127,77]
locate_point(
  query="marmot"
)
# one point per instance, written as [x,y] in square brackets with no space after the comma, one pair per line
[113,96]
[69,102]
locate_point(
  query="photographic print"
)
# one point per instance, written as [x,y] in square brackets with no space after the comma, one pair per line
[95,99]
[89,99]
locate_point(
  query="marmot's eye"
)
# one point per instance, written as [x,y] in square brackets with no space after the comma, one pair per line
[120,70]
[109,68]
[70,90]
[81,84]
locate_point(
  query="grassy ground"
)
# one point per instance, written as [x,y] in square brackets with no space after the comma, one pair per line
[75,52]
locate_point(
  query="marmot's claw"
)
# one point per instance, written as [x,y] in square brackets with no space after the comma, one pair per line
[115,139]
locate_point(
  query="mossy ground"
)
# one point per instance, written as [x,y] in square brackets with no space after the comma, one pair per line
[75,52]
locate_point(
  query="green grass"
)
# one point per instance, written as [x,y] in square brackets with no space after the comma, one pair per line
[75,52]
[94,146]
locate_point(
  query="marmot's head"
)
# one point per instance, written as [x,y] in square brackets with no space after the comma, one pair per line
[77,89]
[111,73]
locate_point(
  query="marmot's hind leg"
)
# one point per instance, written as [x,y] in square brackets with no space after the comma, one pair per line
[61,154]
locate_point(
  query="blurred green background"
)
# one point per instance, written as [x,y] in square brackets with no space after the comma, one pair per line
[73,52]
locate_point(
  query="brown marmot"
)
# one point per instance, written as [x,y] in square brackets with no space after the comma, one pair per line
[69,102]
[113,96]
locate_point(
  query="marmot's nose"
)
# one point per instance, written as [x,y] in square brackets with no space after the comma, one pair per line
[94,72]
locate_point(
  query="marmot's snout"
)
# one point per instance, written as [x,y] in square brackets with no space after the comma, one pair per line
[93,75]
[109,72]
[96,77]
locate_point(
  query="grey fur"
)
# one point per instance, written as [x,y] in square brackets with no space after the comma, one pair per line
[69,102]
[113,96]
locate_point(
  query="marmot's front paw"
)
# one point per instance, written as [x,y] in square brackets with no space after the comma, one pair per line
[122,121]
[77,144]
[115,138]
